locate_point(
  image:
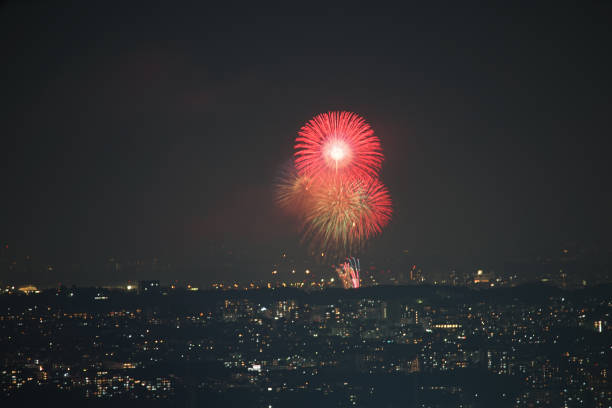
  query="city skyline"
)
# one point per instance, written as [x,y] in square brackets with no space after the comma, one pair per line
[570,267]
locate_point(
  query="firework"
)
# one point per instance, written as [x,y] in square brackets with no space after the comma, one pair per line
[293,191]
[348,273]
[333,188]
[338,143]
[353,268]
[344,276]
[343,215]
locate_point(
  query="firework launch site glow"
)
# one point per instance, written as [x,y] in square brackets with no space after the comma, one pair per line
[352,268]
[333,188]
[348,273]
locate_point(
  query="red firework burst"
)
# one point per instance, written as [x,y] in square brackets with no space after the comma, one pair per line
[338,143]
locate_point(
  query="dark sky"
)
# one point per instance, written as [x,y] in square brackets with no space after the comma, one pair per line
[155,129]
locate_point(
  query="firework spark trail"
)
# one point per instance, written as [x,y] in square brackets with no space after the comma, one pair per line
[352,265]
[349,273]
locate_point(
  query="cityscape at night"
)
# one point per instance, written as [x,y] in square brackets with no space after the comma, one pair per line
[299,338]
[525,346]
[360,205]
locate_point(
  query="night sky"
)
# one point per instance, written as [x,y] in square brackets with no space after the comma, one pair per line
[147,130]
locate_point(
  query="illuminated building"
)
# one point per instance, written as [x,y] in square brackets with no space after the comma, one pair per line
[28,289]
[483,278]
